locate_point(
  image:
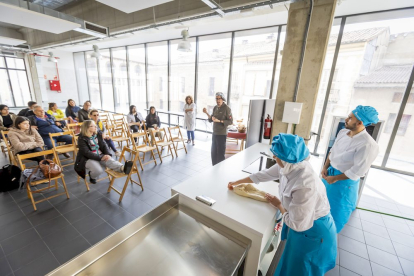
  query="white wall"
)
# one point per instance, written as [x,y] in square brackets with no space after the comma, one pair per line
[65,72]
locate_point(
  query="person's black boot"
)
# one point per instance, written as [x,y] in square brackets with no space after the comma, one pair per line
[128,167]
[91,180]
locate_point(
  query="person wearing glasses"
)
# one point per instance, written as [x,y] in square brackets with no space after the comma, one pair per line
[94,114]
[7,118]
[94,156]
[221,118]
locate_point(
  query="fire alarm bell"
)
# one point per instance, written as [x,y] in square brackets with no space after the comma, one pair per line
[54,85]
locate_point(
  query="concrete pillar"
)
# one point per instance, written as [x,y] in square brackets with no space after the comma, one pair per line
[317,42]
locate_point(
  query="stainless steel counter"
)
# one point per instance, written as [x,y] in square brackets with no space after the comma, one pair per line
[169,240]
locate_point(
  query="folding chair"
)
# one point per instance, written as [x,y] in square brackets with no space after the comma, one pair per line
[177,139]
[12,159]
[141,128]
[144,148]
[118,134]
[162,142]
[30,192]
[134,155]
[65,148]
[75,128]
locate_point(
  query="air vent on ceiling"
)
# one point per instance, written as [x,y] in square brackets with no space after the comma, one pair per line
[93,29]
[8,53]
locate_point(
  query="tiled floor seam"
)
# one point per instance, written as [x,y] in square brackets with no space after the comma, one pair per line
[5,257]
[398,257]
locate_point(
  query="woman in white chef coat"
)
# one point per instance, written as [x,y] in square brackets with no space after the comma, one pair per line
[308,228]
[189,118]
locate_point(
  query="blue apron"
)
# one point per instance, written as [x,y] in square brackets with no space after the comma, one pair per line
[342,196]
[311,252]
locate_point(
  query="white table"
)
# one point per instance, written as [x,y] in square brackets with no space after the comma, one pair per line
[252,219]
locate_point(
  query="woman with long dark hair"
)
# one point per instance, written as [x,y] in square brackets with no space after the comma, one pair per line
[134,117]
[72,110]
[25,139]
[152,120]
[189,118]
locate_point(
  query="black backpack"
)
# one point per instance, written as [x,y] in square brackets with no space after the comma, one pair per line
[10,178]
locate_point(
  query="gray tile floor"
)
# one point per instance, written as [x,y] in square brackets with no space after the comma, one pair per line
[375,244]
[34,243]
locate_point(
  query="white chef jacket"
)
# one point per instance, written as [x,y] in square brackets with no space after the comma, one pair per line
[189,117]
[302,193]
[353,155]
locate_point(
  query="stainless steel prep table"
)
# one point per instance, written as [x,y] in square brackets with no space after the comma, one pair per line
[169,240]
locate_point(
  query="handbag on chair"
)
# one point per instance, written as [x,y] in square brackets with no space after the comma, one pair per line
[48,168]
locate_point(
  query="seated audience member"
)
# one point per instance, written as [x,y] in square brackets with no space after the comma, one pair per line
[101,128]
[56,113]
[7,118]
[93,155]
[72,110]
[83,114]
[45,124]
[134,117]
[25,139]
[152,120]
[25,110]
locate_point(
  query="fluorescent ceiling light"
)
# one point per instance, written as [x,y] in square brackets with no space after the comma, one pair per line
[129,6]
[214,6]
[34,20]
[11,41]
[90,32]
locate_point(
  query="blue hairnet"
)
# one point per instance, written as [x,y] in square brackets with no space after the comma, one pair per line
[221,94]
[366,114]
[289,148]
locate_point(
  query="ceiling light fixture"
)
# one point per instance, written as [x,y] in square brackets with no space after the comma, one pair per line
[214,6]
[184,45]
[96,54]
[52,58]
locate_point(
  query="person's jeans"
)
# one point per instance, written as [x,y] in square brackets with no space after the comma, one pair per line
[96,168]
[218,148]
[190,134]
[110,144]
[37,149]
[64,138]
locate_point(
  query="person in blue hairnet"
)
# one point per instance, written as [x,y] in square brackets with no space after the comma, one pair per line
[309,229]
[349,159]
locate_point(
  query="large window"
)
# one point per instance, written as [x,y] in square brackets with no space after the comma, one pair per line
[93,81]
[182,75]
[213,69]
[14,87]
[137,82]
[105,75]
[253,59]
[119,68]
[372,68]
[158,77]
[81,77]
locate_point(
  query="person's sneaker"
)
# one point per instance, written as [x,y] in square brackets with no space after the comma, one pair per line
[188,141]
[117,154]
[67,155]
[128,167]
[193,143]
[91,180]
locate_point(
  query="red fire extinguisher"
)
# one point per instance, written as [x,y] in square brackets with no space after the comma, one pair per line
[267,127]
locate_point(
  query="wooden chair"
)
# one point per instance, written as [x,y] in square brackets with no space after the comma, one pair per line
[75,128]
[177,138]
[60,149]
[118,134]
[143,148]
[141,128]
[163,142]
[134,156]
[12,158]
[30,192]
